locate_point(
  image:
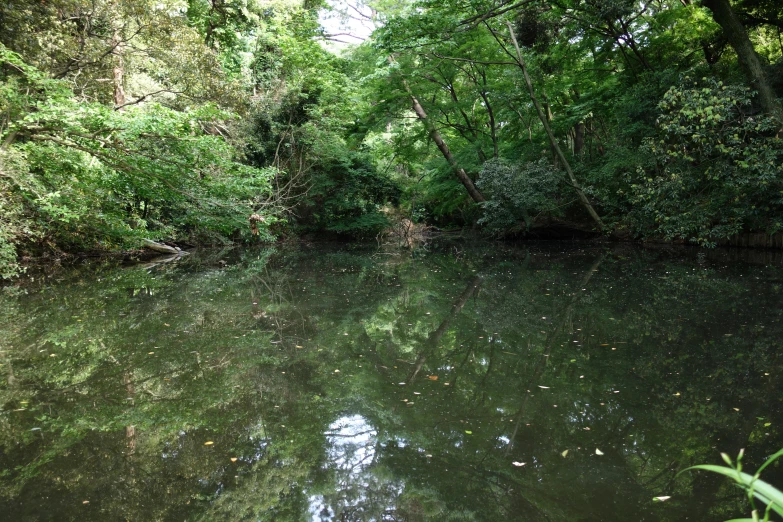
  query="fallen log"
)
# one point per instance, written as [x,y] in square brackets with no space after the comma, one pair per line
[160,247]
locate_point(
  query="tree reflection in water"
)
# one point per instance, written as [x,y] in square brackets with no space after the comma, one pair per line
[351,384]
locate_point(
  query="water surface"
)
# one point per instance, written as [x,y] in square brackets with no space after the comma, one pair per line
[461,382]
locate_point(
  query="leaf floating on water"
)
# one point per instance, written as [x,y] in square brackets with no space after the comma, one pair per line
[432,377]
[208,443]
[85,501]
[736,409]
[518,464]
[469,432]
[767,424]
[544,387]
[337,371]
[604,344]
[677,394]
[661,499]
[233,459]
[598,452]
[565,453]
[297,346]
[166,324]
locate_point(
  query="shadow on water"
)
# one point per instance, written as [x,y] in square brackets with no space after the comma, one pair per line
[484,382]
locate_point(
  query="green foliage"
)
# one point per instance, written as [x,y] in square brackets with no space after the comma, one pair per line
[717,166]
[80,176]
[347,196]
[755,488]
[299,125]
[518,192]
[601,71]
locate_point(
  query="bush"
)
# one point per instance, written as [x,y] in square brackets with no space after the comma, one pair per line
[518,192]
[716,167]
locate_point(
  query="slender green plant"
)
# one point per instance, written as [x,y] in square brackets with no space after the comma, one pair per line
[755,488]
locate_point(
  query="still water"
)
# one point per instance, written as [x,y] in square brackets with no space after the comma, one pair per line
[459,382]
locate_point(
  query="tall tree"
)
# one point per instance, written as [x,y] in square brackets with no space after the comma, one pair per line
[749,61]
[475,193]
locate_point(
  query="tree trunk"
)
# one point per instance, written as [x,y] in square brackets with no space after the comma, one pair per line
[475,194]
[579,138]
[749,61]
[574,183]
[434,338]
[160,247]
[118,68]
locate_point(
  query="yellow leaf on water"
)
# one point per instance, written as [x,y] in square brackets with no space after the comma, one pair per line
[661,499]
[233,459]
[432,377]
[208,443]
[544,387]
[166,324]
[469,432]
[565,453]
[598,452]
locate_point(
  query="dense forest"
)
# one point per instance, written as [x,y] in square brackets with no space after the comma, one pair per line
[219,121]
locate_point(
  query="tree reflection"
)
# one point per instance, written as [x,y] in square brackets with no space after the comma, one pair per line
[350,386]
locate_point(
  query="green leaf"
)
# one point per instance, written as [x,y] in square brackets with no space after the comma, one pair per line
[761,490]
